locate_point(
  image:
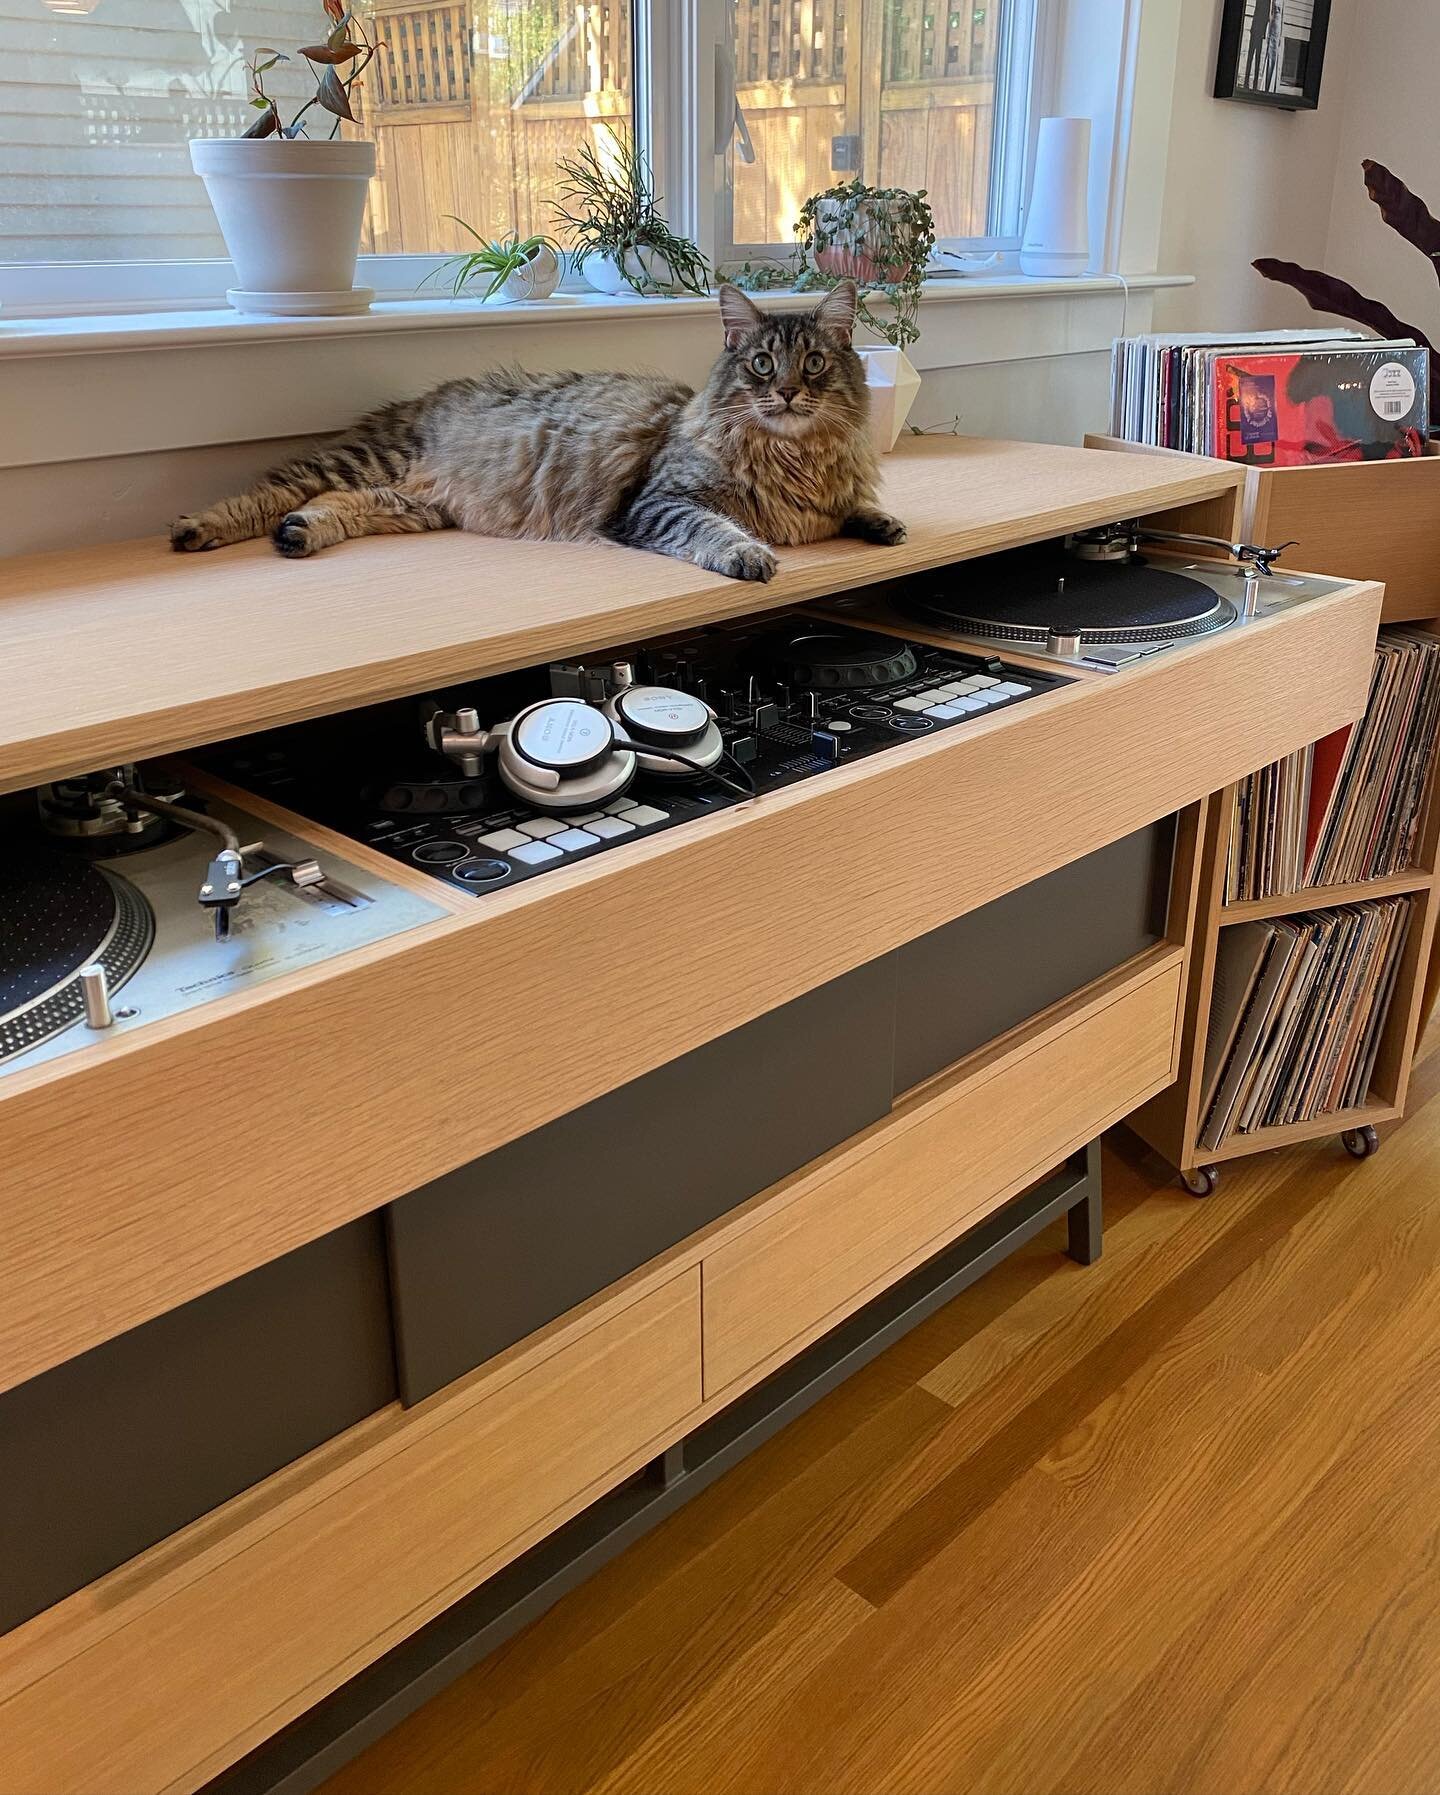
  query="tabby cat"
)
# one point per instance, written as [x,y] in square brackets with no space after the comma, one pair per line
[775,449]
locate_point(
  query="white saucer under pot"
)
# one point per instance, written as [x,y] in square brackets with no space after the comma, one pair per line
[290,211]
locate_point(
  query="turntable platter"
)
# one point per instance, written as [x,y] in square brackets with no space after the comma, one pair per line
[57,914]
[1030,594]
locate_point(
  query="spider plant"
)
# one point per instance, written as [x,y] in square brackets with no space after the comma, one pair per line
[608,207]
[496,258]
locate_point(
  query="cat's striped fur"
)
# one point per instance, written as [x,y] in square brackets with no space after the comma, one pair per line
[774,450]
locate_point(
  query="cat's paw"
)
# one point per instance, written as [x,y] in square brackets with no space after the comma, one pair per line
[295,537]
[877,526]
[749,561]
[188,535]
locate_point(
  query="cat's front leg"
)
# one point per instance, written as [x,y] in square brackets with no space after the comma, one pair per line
[741,559]
[673,525]
[874,526]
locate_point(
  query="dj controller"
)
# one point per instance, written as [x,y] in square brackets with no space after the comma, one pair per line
[125,897]
[492,783]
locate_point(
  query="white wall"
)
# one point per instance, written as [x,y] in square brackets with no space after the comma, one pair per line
[1389,115]
[1244,181]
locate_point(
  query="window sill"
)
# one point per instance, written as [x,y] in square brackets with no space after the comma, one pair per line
[85,389]
[90,333]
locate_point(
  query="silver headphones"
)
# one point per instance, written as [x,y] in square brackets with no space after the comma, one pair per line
[566,754]
[558,754]
[658,718]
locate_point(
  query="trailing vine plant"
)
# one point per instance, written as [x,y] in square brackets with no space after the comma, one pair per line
[879,237]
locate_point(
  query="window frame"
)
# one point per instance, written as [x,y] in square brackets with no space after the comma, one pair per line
[1028,70]
[682,72]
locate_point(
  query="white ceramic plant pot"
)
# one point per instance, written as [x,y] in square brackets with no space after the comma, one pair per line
[538,279]
[290,212]
[893,381]
[644,265]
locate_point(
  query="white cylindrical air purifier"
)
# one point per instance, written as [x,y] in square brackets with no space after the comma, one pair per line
[1057,224]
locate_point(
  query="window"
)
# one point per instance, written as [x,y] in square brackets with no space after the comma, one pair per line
[903,93]
[471,106]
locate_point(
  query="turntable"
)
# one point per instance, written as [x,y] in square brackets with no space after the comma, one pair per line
[101,930]
[1102,600]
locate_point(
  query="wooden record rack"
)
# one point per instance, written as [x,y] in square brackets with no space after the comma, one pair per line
[1380,520]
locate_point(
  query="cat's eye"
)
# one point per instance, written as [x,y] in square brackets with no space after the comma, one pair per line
[814,362]
[761,363]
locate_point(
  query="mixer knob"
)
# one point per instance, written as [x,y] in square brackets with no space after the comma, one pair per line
[767,716]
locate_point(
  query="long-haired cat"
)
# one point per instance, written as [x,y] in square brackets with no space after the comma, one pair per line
[775,449]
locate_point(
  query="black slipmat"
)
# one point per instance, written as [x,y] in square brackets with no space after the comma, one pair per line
[1018,595]
[57,914]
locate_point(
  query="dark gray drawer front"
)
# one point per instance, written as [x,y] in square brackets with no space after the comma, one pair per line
[109,1453]
[962,985]
[491,1252]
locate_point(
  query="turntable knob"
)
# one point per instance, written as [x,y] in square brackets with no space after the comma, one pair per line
[1062,642]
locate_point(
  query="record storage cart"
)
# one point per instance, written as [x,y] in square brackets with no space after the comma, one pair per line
[1377,520]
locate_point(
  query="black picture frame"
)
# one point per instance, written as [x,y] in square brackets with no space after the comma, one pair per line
[1272,52]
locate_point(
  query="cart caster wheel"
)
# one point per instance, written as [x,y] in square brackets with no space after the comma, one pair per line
[1202,1181]
[1360,1143]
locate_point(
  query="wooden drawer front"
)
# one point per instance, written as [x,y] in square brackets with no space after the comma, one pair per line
[972,1146]
[257,1627]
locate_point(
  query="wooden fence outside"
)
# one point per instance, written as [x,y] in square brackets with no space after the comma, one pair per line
[474,102]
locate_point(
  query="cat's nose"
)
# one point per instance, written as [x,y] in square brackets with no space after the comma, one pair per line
[789,393]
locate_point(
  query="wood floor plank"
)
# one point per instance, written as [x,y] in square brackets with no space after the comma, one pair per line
[1165,1526]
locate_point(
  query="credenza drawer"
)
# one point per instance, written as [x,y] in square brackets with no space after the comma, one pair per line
[263,1624]
[972,1145]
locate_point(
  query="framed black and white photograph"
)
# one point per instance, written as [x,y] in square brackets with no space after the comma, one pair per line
[1272,52]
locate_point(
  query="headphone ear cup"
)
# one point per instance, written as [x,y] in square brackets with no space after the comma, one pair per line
[594,778]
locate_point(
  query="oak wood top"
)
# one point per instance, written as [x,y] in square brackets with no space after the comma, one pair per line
[128,650]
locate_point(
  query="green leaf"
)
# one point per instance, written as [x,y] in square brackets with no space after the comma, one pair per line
[332,95]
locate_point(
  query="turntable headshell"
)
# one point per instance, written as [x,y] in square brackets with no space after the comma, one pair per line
[126,808]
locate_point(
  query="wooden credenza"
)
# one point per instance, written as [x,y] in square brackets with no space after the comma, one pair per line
[321,1101]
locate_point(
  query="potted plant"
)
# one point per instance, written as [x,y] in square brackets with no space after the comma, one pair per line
[290,206]
[881,238]
[518,267]
[621,239]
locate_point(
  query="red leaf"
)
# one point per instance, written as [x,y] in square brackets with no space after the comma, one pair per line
[1326,293]
[335,9]
[345,52]
[332,95]
[1403,211]
[266,125]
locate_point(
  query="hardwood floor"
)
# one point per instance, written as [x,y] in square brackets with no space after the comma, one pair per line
[1164,1526]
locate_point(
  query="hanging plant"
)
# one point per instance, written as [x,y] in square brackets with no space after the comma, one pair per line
[879,237]
[1406,214]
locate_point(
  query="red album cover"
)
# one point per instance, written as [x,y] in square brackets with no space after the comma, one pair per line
[1319,406]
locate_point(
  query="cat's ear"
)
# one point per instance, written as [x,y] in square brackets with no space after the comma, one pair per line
[739,314]
[835,314]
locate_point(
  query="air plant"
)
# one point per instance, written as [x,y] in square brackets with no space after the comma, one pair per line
[612,211]
[348,45]
[1405,213]
[498,259]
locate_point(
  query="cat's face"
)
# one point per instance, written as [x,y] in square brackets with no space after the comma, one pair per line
[790,373]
